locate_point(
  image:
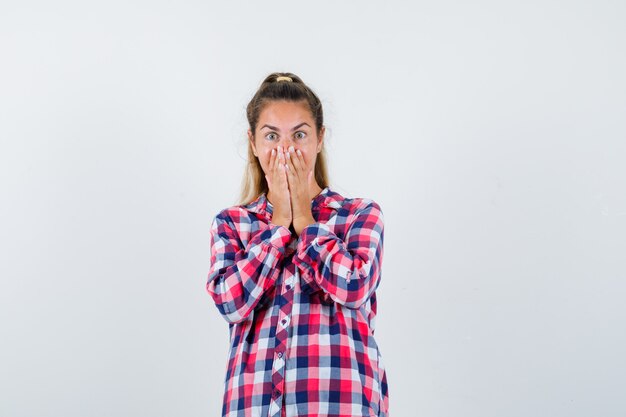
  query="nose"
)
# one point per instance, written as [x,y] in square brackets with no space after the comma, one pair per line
[286,143]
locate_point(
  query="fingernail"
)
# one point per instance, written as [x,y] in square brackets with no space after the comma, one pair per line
[287,155]
[291,148]
[273,152]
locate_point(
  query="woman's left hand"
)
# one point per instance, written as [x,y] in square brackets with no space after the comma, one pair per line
[300,181]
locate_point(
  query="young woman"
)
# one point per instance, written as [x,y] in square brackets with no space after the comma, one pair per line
[294,270]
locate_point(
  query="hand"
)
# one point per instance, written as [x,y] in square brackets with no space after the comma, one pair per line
[279,193]
[300,181]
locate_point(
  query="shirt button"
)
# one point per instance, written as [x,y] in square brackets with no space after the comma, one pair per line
[280,354]
[276,393]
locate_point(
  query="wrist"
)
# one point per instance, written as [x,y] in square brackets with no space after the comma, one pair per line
[303,219]
[301,222]
[280,221]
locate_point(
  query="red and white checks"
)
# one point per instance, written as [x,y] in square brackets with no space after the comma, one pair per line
[301,309]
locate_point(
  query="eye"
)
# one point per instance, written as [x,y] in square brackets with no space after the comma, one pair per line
[270,136]
[303,134]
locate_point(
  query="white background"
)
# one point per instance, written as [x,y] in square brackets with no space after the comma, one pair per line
[492,134]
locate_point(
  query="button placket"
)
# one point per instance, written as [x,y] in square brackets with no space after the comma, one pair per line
[278,364]
[289,282]
[282,342]
[275,409]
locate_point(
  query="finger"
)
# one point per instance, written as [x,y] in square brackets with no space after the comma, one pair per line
[272,157]
[300,159]
[284,176]
[273,162]
[279,169]
[279,156]
[271,165]
[289,162]
[283,163]
[295,162]
[289,169]
[295,169]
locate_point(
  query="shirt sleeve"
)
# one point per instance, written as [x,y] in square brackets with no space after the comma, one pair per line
[239,276]
[347,270]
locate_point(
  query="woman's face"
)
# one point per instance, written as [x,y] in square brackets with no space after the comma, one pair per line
[286,123]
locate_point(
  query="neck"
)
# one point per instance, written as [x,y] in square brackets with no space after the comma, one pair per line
[316,191]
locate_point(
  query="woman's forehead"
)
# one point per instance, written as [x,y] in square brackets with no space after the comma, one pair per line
[286,112]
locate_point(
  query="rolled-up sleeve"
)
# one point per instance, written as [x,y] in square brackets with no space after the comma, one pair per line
[239,276]
[347,270]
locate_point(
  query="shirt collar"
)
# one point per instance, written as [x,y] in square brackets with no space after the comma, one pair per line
[326,198]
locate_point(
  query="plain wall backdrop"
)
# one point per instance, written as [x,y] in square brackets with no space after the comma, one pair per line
[492,134]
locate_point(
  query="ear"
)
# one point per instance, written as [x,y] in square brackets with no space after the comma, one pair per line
[251,140]
[320,139]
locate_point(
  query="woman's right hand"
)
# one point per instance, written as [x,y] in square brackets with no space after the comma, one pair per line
[279,188]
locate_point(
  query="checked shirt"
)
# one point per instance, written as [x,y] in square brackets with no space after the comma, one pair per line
[301,309]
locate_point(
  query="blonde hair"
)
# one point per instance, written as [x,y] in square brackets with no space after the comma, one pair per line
[253,182]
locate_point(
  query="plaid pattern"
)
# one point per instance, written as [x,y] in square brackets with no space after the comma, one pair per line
[300,309]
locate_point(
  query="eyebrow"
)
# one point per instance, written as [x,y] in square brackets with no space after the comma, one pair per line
[294,128]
